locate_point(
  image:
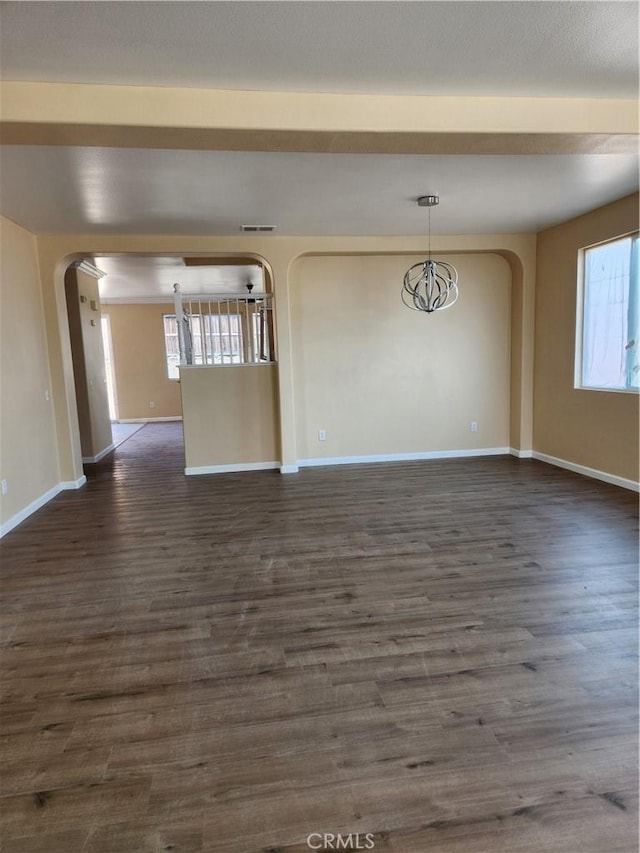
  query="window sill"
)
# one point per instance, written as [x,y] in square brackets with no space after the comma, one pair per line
[631,391]
[216,366]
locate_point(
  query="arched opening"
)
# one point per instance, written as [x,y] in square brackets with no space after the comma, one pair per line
[223,419]
[373,381]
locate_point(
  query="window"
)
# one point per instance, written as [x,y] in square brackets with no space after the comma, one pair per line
[216,338]
[219,330]
[209,339]
[610,328]
[171,345]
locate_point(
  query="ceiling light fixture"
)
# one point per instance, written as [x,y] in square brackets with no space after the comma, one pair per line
[430,285]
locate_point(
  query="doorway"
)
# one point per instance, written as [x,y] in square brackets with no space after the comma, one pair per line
[137,303]
[107,345]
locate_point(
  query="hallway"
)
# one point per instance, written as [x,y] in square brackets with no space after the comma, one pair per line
[441,654]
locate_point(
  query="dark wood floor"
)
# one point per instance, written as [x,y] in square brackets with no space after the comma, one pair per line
[442,654]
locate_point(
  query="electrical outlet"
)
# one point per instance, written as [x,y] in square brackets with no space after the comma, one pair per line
[46,394]
[5,487]
[474,426]
[152,405]
[322,435]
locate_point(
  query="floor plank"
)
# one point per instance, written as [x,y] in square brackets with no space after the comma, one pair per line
[442,654]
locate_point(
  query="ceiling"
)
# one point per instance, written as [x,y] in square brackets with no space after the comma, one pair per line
[543,49]
[51,189]
[152,278]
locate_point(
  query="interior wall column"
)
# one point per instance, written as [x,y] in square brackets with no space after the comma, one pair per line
[280,263]
[528,260]
[52,271]
[523,272]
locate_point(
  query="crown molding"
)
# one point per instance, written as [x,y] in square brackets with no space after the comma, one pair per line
[89,269]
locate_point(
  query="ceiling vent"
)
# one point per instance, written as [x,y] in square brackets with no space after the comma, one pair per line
[253,229]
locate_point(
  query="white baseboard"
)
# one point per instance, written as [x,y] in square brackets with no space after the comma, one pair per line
[289,469]
[232,468]
[148,420]
[613,479]
[91,460]
[73,484]
[403,457]
[19,517]
[28,510]
[521,454]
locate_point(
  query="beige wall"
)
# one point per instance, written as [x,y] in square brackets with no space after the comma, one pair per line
[88,362]
[29,460]
[281,254]
[381,379]
[230,415]
[597,429]
[137,334]
[45,113]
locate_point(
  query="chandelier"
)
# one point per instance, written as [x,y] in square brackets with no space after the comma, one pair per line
[430,285]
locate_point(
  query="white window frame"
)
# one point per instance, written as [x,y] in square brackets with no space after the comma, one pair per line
[167,356]
[580,316]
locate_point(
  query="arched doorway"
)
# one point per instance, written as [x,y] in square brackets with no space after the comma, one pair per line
[232,415]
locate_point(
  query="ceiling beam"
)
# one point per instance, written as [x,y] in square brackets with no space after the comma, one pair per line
[314,142]
[163,117]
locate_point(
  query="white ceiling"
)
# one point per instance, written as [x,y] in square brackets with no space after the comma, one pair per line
[546,49]
[109,190]
[505,48]
[131,277]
